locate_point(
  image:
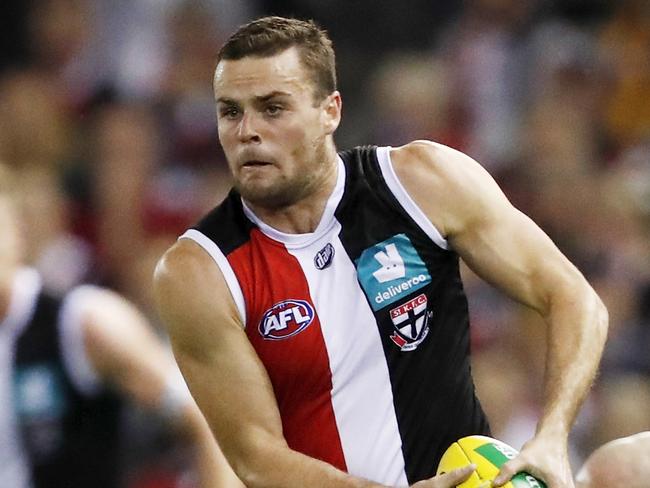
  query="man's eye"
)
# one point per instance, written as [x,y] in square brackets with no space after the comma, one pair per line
[230,112]
[273,109]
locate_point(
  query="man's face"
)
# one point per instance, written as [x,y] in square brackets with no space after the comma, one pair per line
[271,128]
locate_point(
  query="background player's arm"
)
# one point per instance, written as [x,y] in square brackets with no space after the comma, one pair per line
[126,353]
[507,249]
[230,383]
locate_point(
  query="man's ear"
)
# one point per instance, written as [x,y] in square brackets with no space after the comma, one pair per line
[332,111]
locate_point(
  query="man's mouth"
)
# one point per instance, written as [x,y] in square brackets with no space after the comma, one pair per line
[255,163]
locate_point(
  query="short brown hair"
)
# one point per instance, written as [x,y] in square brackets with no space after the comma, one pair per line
[269,36]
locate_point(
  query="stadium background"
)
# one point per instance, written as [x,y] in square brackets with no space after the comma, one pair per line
[106,114]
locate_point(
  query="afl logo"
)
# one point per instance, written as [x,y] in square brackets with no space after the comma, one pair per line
[324,257]
[286,319]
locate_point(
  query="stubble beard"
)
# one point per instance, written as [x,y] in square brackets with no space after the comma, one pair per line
[286,191]
[282,193]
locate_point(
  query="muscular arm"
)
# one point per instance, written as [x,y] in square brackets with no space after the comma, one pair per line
[229,382]
[125,352]
[226,377]
[507,249]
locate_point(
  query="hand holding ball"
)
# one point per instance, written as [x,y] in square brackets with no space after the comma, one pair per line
[488,455]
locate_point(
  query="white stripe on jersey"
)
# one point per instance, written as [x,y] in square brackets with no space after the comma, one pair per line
[396,187]
[362,397]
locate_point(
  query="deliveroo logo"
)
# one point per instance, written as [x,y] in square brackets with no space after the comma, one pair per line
[392,265]
[391,270]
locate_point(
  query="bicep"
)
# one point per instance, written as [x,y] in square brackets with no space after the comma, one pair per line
[507,249]
[221,368]
[497,241]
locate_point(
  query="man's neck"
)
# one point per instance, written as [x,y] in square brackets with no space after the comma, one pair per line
[303,216]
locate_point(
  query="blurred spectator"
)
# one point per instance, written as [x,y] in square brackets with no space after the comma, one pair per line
[624,45]
[414,94]
[127,151]
[68,364]
[487,53]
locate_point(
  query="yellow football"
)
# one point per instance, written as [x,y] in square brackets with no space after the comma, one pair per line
[488,455]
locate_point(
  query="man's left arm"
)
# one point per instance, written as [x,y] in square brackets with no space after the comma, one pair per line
[507,249]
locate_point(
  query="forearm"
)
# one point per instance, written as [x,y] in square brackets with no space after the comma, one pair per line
[212,469]
[577,330]
[274,465]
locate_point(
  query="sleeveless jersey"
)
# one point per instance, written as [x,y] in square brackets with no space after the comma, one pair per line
[68,424]
[361,325]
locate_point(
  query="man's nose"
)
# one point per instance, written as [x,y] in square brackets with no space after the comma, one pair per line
[247,131]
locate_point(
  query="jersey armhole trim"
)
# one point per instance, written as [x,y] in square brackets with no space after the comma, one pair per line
[220,259]
[402,196]
[79,367]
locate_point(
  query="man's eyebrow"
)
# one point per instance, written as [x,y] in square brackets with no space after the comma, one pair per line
[261,98]
[227,101]
[273,94]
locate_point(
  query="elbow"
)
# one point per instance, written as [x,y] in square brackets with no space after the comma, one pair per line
[596,316]
[593,316]
[251,461]
[576,298]
[246,470]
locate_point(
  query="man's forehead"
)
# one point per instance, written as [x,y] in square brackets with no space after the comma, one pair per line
[284,67]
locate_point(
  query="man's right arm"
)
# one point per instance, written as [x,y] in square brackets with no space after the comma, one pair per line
[229,382]
[227,378]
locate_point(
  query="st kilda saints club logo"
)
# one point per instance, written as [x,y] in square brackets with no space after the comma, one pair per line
[286,319]
[411,323]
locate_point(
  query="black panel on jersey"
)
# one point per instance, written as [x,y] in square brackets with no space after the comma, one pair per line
[231,214]
[432,387]
[71,440]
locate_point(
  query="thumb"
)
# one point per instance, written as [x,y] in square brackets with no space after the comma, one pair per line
[508,470]
[457,476]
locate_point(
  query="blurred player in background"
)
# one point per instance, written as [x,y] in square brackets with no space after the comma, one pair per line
[621,462]
[318,313]
[66,366]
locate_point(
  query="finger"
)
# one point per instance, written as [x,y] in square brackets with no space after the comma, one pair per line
[457,476]
[508,470]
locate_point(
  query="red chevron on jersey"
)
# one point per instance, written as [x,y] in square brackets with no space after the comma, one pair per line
[280,300]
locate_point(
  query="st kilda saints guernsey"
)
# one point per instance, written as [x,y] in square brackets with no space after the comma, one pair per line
[362,325]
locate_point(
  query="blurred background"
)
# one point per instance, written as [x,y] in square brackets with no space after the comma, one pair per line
[106,114]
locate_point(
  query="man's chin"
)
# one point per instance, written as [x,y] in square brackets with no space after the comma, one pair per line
[271,198]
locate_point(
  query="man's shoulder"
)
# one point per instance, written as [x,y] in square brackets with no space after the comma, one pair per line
[422,151]
[419,151]
[433,163]
[180,258]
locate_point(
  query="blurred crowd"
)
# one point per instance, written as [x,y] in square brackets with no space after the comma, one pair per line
[106,114]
